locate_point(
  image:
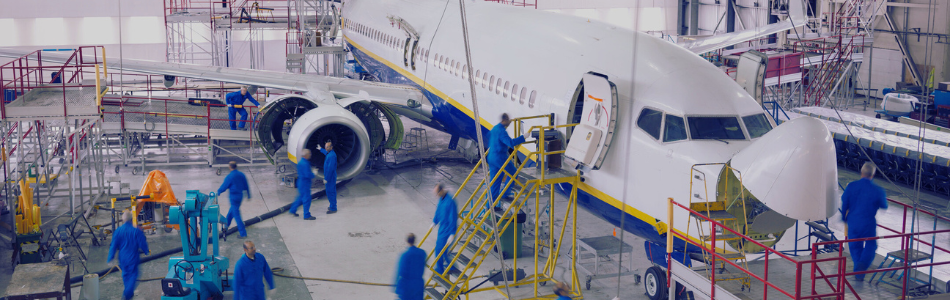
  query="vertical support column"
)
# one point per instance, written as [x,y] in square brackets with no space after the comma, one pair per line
[669,249]
[681,21]
[694,17]
[43,161]
[79,167]
[730,15]
[70,141]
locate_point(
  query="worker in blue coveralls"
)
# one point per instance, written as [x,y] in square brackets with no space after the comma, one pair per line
[446,217]
[498,144]
[127,241]
[562,291]
[304,179]
[236,183]
[250,271]
[329,175]
[238,98]
[859,204]
[412,263]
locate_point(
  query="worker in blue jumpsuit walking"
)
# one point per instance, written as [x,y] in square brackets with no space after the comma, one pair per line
[562,291]
[304,179]
[235,102]
[412,263]
[859,204]
[329,175]
[236,183]
[250,271]
[127,241]
[446,217]
[498,144]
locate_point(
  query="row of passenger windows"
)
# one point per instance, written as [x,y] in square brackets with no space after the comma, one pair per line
[673,128]
[374,34]
[501,87]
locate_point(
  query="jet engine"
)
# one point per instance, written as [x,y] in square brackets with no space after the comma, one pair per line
[300,123]
[351,142]
[277,113]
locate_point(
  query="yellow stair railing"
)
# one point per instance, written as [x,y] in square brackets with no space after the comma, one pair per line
[717,209]
[476,235]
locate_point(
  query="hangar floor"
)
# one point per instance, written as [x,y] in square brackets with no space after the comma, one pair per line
[362,242]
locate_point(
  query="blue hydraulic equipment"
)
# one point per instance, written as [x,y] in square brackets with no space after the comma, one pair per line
[201,273]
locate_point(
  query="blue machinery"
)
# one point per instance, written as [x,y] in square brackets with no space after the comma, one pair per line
[201,273]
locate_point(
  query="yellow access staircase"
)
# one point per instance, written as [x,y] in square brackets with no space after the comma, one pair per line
[718,210]
[476,236]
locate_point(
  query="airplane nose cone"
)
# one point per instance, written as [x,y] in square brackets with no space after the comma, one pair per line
[792,170]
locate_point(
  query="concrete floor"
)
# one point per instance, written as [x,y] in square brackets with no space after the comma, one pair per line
[363,240]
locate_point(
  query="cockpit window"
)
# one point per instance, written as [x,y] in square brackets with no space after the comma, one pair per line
[649,121]
[715,128]
[757,125]
[674,129]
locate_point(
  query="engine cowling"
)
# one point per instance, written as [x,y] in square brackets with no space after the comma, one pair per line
[274,114]
[351,142]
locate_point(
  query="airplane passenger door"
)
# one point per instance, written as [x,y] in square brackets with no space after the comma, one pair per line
[750,73]
[597,118]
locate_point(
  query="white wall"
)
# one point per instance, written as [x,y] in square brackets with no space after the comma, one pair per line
[886,67]
[139,27]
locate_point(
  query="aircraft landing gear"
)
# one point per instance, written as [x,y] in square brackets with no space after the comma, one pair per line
[654,281]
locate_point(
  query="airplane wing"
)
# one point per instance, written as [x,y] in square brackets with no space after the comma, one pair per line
[341,88]
[796,18]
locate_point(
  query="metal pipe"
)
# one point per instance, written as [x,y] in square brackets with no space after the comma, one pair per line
[481,141]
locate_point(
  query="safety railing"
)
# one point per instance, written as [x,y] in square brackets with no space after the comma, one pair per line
[675,236]
[204,114]
[29,72]
[521,3]
[906,241]
[236,11]
[837,281]
[833,55]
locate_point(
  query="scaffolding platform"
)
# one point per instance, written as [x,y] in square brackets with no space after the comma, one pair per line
[173,116]
[595,251]
[73,101]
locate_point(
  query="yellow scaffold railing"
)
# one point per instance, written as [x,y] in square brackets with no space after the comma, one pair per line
[476,238]
[100,82]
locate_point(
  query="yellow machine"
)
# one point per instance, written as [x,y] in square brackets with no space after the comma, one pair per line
[155,190]
[28,214]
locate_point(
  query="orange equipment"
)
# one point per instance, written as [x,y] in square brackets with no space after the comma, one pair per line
[155,189]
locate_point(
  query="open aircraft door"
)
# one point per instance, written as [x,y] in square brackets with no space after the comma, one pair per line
[595,109]
[750,73]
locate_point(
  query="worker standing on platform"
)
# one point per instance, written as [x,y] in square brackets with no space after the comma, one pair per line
[236,183]
[446,217]
[304,179]
[412,263]
[250,271]
[127,241]
[498,144]
[329,175]
[859,204]
[238,98]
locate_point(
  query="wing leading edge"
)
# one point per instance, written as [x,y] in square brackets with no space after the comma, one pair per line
[341,88]
[796,13]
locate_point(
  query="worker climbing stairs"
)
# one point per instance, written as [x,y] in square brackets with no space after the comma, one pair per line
[486,230]
[730,201]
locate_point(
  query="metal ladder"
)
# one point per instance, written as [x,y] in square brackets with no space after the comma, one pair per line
[716,210]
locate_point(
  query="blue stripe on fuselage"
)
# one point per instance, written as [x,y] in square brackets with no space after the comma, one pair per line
[456,122]
[452,119]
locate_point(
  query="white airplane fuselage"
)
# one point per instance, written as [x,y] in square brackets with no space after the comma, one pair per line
[548,53]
